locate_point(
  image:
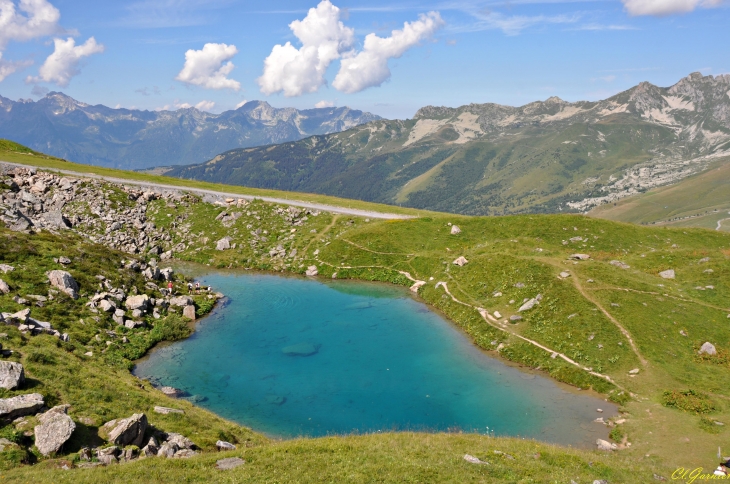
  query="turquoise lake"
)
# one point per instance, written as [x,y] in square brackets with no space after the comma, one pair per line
[294,357]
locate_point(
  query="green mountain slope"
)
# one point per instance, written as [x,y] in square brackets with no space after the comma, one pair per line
[489,159]
[699,201]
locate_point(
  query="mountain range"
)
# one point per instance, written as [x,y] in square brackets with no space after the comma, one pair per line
[487,159]
[132,139]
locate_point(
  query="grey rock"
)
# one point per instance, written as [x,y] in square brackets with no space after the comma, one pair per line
[181,301]
[4,288]
[55,429]
[6,268]
[619,264]
[189,312]
[223,244]
[56,220]
[12,375]
[65,282]
[515,317]
[185,453]
[229,463]
[473,460]
[455,230]
[708,348]
[528,305]
[579,256]
[668,274]
[605,445]
[21,405]
[167,273]
[222,445]
[107,306]
[461,261]
[132,324]
[168,450]
[171,392]
[129,431]
[312,271]
[64,260]
[167,410]
[180,441]
[140,302]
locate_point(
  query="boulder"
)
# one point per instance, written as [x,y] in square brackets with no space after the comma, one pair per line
[473,460]
[619,264]
[167,273]
[635,371]
[140,302]
[579,256]
[168,450]
[222,445]
[668,274]
[132,324]
[65,282]
[223,244]
[181,301]
[64,260]
[6,268]
[515,318]
[4,288]
[708,348]
[312,271]
[12,375]
[184,454]
[564,274]
[455,230]
[605,445]
[56,219]
[128,431]
[528,305]
[20,406]
[189,312]
[55,429]
[167,410]
[21,316]
[229,463]
[461,261]
[180,441]
[171,392]
[152,273]
[107,306]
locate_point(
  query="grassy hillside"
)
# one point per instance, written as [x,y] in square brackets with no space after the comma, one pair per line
[593,326]
[699,201]
[16,153]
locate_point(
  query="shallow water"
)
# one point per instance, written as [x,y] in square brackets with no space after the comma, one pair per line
[289,357]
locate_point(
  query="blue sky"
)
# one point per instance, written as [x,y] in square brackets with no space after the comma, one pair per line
[133,53]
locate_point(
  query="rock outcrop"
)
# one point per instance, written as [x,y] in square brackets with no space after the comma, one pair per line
[127,431]
[65,282]
[55,429]
[12,375]
[20,406]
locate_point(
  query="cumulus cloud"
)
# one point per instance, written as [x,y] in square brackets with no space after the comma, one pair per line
[369,67]
[29,20]
[8,67]
[205,105]
[63,63]
[666,7]
[324,104]
[208,67]
[324,38]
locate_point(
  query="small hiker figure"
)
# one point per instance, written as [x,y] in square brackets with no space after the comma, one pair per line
[190,287]
[169,288]
[210,289]
[197,287]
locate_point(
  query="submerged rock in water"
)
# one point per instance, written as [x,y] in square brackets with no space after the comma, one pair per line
[301,349]
[275,399]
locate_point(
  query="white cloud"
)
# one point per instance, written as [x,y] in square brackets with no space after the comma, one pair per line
[205,105]
[239,105]
[8,67]
[325,104]
[29,20]
[369,67]
[63,63]
[512,25]
[206,67]
[295,71]
[666,7]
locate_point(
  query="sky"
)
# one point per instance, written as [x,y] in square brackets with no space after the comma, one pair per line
[386,57]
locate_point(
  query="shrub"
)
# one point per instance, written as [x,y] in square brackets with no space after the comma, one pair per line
[690,401]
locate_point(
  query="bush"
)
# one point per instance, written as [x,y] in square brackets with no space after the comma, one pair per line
[689,401]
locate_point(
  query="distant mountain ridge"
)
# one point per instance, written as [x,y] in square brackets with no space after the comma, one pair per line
[545,156]
[127,138]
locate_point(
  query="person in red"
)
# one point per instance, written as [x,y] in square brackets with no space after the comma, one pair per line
[169,288]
